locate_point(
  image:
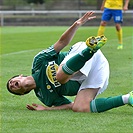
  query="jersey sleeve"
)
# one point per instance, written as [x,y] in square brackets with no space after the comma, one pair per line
[42,57]
[50,52]
[51,98]
[61,101]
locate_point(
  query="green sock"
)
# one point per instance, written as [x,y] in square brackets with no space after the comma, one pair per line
[104,104]
[77,62]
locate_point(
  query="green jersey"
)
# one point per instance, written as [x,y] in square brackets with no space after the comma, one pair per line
[48,89]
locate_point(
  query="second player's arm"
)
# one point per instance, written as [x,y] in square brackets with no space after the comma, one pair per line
[102,6]
[126,5]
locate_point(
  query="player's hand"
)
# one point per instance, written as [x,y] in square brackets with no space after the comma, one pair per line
[36,107]
[87,16]
[125,8]
[102,8]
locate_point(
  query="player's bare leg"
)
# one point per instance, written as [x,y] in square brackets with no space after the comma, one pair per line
[83,99]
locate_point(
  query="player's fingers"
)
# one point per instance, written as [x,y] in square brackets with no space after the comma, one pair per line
[30,107]
[90,13]
[91,17]
[87,16]
[36,105]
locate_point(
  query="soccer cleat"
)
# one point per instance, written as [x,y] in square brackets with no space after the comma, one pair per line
[120,46]
[130,100]
[95,43]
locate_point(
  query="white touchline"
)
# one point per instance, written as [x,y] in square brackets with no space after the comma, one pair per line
[15,53]
[25,51]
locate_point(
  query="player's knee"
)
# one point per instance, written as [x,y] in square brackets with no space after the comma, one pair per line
[81,108]
[60,77]
[118,27]
[103,23]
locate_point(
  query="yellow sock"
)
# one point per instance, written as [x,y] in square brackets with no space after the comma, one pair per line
[119,34]
[101,30]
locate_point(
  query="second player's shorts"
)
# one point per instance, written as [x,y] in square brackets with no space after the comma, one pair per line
[95,72]
[109,13]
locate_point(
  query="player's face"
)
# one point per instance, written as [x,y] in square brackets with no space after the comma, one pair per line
[17,84]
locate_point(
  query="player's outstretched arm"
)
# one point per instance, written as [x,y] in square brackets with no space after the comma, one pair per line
[39,107]
[70,32]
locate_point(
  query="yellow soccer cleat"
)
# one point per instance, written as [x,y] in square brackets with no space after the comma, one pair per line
[95,43]
[131,98]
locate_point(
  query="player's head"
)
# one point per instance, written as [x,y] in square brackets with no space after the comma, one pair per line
[16,85]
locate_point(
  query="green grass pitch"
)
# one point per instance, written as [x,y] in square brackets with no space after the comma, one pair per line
[18,47]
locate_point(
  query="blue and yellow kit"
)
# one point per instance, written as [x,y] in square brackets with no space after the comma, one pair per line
[114,4]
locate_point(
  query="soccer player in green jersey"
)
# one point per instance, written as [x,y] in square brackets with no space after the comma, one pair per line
[83,71]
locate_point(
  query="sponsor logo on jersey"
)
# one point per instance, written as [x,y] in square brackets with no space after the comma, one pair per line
[51,73]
